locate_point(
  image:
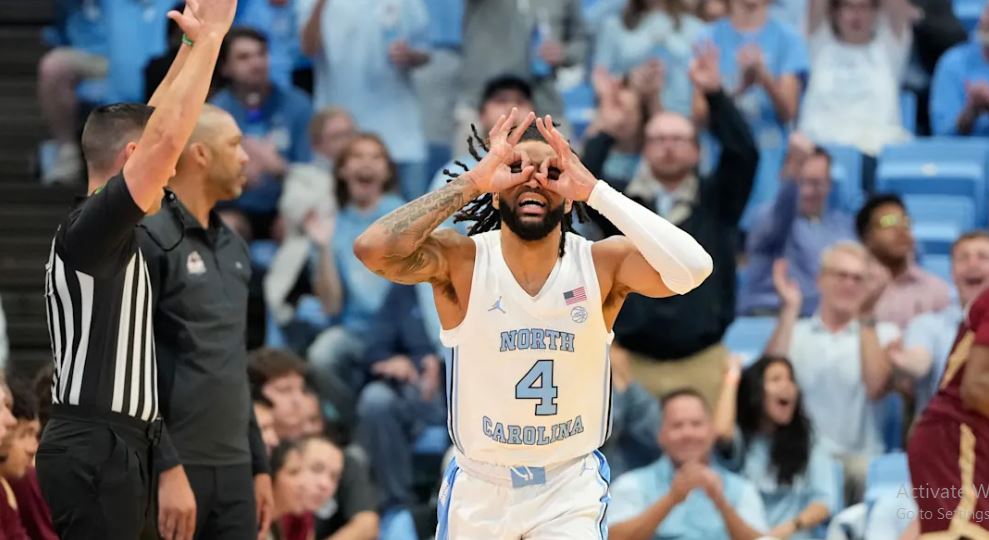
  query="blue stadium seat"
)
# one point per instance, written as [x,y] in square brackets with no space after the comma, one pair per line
[968,12]
[908,110]
[951,167]
[939,219]
[886,472]
[846,176]
[747,336]
[938,264]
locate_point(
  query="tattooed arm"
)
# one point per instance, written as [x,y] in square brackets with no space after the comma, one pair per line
[404,245]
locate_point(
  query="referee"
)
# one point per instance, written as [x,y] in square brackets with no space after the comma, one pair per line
[213,475]
[94,461]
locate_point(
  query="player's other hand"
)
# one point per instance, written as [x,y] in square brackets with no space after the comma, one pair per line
[503,167]
[564,175]
[398,368]
[176,505]
[216,16]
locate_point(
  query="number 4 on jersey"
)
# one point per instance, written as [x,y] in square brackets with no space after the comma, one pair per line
[546,392]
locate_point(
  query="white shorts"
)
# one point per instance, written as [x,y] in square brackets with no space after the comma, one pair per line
[479,501]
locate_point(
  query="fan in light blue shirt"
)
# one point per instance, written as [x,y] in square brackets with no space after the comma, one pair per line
[363,290]
[798,225]
[656,34]
[959,72]
[683,495]
[273,118]
[750,32]
[276,20]
[929,337]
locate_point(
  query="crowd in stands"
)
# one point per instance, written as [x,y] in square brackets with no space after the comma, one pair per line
[722,116]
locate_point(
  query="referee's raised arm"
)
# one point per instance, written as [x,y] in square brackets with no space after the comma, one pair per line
[153,162]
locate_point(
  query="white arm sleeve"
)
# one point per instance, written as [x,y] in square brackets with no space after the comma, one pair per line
[675,255]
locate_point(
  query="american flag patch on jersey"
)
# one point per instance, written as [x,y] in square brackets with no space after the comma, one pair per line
[574,296]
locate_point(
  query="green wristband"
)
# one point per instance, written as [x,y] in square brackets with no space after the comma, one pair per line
[186,40]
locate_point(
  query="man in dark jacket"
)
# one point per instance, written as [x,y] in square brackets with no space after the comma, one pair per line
[676,342]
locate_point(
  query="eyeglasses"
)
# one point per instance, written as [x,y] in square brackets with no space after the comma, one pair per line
[843,275]
[888,221]
[671,139]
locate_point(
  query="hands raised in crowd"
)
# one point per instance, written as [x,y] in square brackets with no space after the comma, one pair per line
[705,73]
[695,475]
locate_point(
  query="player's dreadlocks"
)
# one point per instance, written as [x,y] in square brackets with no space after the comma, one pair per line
[481,210]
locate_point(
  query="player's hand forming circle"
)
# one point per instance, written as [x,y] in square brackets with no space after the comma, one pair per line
[564,174]
[503,167]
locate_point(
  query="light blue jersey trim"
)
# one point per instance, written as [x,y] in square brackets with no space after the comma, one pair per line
[446,496]
[604,475]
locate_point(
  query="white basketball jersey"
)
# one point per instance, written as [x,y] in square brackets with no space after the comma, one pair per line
[530,378]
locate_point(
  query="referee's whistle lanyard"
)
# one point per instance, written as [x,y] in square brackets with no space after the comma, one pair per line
[173,206]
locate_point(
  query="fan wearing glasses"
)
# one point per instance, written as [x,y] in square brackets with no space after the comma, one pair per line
[839,357]
[883,226]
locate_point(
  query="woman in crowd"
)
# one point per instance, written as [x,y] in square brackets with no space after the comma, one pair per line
[291,519]
[762,61]
[322,466]
[772,445]
[365,182]
[652,43]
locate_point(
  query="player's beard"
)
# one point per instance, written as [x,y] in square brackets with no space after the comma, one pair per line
[527,230]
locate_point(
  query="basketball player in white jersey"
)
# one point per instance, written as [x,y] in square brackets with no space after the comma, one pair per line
[527,308]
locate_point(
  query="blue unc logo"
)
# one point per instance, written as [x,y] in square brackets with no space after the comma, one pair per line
[578,314]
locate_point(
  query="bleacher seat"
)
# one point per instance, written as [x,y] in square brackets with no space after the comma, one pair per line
[908,110]
[747,336]
[945,166]
[886,472]
[939,220]
[846,177]
[968,12]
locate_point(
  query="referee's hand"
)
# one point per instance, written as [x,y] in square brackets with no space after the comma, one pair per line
[176,505]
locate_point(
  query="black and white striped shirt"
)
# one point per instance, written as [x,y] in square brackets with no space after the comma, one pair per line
[99,303]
